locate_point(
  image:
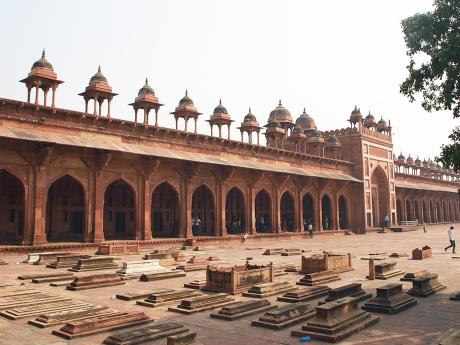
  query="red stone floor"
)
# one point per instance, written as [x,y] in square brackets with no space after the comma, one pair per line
[420,324]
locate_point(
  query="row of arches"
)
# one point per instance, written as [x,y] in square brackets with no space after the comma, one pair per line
[66,211]
[428,211]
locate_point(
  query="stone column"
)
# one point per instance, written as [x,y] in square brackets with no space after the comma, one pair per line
[29,208]
[318,212]
[89,206]
[45,95]
[99,208]
[109,101]
[156,117]
[228,132]
[220,130]
[37,89]
[146,216]
[299,210]
[53,97]
[220,219]
[250,211]
[28,93]
[196,125]
[95,106]
[39,231]
[135,115]
[186,208]
[276,221]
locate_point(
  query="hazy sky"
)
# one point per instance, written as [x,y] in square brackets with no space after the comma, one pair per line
[324,55]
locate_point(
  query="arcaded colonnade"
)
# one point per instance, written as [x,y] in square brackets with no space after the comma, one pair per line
[162,199]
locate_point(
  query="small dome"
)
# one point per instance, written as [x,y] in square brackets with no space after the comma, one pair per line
[146,89]
[438,166]
[370,119]
[410,160]
[356,115]
[98,77]
[186,100]
[401,157]
[382,122]
[305,121]
[220,109]
[418,161]
[280,114]
[316,134]
[425,162]
[332,139]
[431,164]
[297,130]
[250,117]
[42,63]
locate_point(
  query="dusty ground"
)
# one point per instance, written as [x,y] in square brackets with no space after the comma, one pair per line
[418,325]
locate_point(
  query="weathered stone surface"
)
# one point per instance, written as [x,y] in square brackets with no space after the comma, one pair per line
[304,294]
[182,339]
[130,296]
[44,275]
[386,270]
[390,299]
[74,313]
[326,262]
[202,303]
[285,316]
[167,297]
[95,281]
[51,279]
[101,324]
[420,254]
[455,297]
[240,309]
[350,290]
[318,278]
[145,334]
[165,257]
[451,337]
[273,251]
[195,284]
[425,286]
[147,277]
[43,258]
[37,309]
[291,252]
[195,263]
[134,269]
[26,300]
[408,277]
[336,320]
[94,264]
[63,261]
[398,255]
[269,289]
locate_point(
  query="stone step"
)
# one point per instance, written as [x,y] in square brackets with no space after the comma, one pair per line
[100,324]
[269,289]
[130,296]
[44,275]
[95,281]
[51,279]
[195,284]
[241,309]
[94,264]
[66,261]
[285,316]
[145,334]
[37,309]
[167,297]
[162,275]
[30,300]
[202,303]
[304,294]
[61,283]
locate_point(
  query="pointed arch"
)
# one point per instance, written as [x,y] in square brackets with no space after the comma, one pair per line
[308,210]
[165,211]
[409,210]
[12,206]
[235,211]
[380,196]
[326,212]
[203,212]
[343,213]
[263,208]
[399,210]
[119,211]
[287,209]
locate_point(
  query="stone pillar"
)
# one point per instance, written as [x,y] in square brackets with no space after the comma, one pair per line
[220,129]
[37,89]
[45,96]
[146,215]
[220,216]
[28,93]
[146,119]
[89,206]
[95,106]
[86,106]
[251,210]
[318,212]
[53,96]
[335,212]
[29,208]
[109,101]
[276,222]
[100,107]
[135,115]
[99,208]
[186,208]
[156,117]
[39,231]
[211,129]
[228,128]
[258,138]
[299,210]
[195,125]
[176,122]
[186,123]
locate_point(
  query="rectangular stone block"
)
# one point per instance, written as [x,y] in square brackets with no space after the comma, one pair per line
[425,286]
[239,310]
[286,316]
[130,296]
[49,319]
[337,263]
[182,339]
[24,311]
[134,269]
[94,264]
[420,254]
[100,324]
[44,275]
[273,251]
[167,297]
[145,334]
[47,257]
[64,261]
[95,281]
[30,300]
[51,279]
[350,290]
[202,303]
[318,278]
[304,294]
[386,270]
[147,277]
[390,299]
[269,289]
[195,284]
[408,277]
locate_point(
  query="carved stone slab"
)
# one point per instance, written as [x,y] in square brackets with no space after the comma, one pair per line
[285,316]
[29,300]
[54,318]
[349,290]
[182,339]
[44,275]
[425,286]
[65,261]
[273,251]
[269,289]
[43,258]
[202,303]
[134,269]
[167,297]
[94,264]
[37,309]
[390,299]
[195,284]
[130,296]
[386,270]
[240,309]
[95,281]
[318,278]
[408,277]
[304,294]
[162,275]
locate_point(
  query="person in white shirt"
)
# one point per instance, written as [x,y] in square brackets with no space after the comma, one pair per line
[451,233]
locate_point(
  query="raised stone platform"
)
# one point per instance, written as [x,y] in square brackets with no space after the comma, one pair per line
[285,316]
[390,299]
[304,294]
[386,270]
[42,258]
[195,284]
[164,257]
[273,251]
[239,310]
[425,286]
[408,277]
[100,324]
[66,261]
[45,275]
[94,264]
[318,278]
[336,320]
[26,300]
[202,303]
[168,274]
[49,319]
[167,297]
[291,252]
[37,309]
[451,337]
[131,296]
[269,289]
[182,339]
[134,269]
[195,263]
[350,290]
[145,334]
[94,282]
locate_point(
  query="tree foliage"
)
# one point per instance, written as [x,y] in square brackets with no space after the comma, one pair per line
[433,46]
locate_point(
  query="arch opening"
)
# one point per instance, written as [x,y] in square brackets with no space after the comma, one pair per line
[326,211]
[263,212]
[399,211]
[235,212]
[307,211]
[203,212]
[287,212]
[409,211]
[12,195]
[380,196]
[165,211]
[343,214]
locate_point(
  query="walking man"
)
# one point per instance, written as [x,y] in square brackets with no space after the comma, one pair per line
[451,233]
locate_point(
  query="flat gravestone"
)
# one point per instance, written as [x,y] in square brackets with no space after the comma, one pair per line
[239,310]
[390,299]
[286,316]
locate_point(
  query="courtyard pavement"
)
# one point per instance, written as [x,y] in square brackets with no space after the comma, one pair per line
[420,324]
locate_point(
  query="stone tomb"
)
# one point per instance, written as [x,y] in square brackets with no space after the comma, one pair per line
[131,296]
[27,300]
[420,254]
[350,290]
[291,251]
[42,258]
[318,278]
[100,324]
[195,263]
[390,299]
[182,339]
[269,289]
[455,297]
[286,316]
[145,334]
[304,294]
[336,320]
[386,270]
[49,319]
[195,284]
[95,281]
[451,337]
[66,261]
[326,262]
[164,274]
[167,297]
[425,286]
[165,257]
[239,310]
[202,303]
[408,277]
[134,269]
[273,251]
[42,276]
[94,264]
[24,311]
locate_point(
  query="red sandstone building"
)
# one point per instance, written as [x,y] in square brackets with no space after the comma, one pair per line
[68,176]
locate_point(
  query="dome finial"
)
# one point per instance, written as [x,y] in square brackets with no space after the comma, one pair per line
[99,69]
[304,111]
[249,110]
[220,101]
[279,104]
[146,81]
[186,92]
[43,53]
